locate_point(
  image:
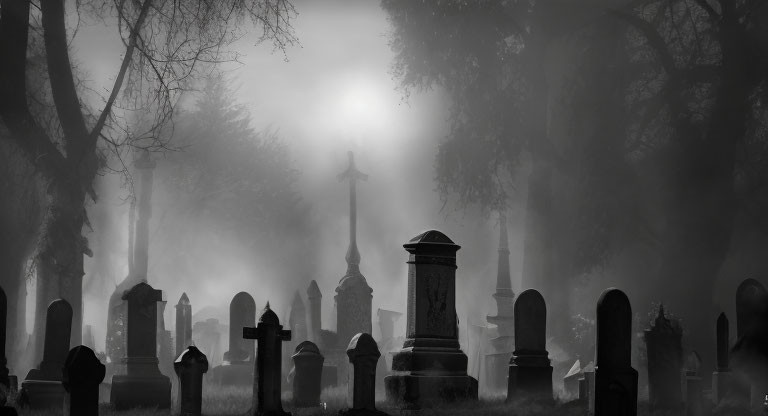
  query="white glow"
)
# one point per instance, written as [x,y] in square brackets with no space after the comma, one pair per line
[364,104]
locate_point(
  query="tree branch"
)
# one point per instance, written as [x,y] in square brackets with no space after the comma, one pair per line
[652,35]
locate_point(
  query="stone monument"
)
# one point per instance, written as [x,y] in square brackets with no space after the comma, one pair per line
[363,355]
[237,368]
[190,366]
[183,325]
[83,373]
[665,363]
[722,379]
[307,379]
[530,374]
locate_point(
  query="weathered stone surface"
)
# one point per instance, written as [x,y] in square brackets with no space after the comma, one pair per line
[363,354]
[307,380]
[190,366]
[530,374]
[83,372]
[615,391]
[270,336]
[242,313]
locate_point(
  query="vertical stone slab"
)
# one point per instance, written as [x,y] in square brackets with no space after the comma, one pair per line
[315,299]
[530,374]
[190,366]
[183,325]
[237,368]
[615,379]
[665,363]
[431,367]
[751,309]
[42,387]
[307,379]
[270,336]
[363,354]
[83,372]
[497,361]
[722,378]
[143,385]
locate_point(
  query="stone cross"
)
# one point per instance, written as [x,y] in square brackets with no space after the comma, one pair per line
[183,324]
[615,379]
[722,377]
[143,385]
[242,313]
[363,355]
[431,367]
[665,363]
[269,335]
[190,366]
[315,312]
[353,175]
[141,247]
[82,374]
[307,379]
[530,374]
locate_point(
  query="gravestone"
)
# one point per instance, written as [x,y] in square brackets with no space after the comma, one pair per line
[530,374]
[237,368]
[386,344]
[615,391]
[270,336]
[143,385]
[692,386]
[722,379]
[571,381]
[502,346]
[431,368]
[83,373]
[190,366]
[308,364]
[587,385]
[206,336]
[42,387]
[363,355]
[183,325]
[665,363]
[315,299]
[297,323]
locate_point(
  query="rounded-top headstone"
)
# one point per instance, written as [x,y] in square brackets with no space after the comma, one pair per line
[58,324]
[614,330]
[530,321]
[306,347]
[242,300]
[143,293]
[751,302]
[722,341]
[82,368]
[190,357]
[362,345]
[692,363]
[268,317]
[183,300]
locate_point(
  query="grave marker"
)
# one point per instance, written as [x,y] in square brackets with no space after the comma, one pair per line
[307,379]
[83,372]
[363,354]
[530,374]
[190,366]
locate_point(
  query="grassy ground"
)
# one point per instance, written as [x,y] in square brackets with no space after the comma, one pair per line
[236,401]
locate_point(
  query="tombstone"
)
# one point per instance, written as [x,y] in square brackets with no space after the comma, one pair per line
[587,385]
[431,368]
[502,345]
[165,347]
[722,378]
[692,385]
[297,323]
[190,366]
[237,368]
[571,381]
[386,344]
[143,385]
[183,325]
[615,391]
[270,336]
[308,364]
[315,299]
[363,354]
[530,374]
[82,374]
[42,387]
[665,363]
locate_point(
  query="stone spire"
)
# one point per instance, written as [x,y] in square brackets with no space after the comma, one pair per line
[504,296]
[353,175]
[141,249]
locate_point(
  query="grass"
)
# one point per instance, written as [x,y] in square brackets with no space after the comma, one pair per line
[236,401]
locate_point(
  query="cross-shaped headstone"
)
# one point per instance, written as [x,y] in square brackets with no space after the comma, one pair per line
[353,175]
[269,334]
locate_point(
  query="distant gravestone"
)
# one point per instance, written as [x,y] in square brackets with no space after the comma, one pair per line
[363,354]
[83,373]
[587,385]
[665,363]
[315,299]
[237,368]
[143,385]
[183,325]
[571,381]
[270,336]
[42,387]
[190,366]
[308,364]
[431,368]
[722,378]
[693,388]
[530,374]
[615,391]
[297,323]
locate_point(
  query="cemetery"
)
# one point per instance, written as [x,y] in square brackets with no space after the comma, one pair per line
[384,208]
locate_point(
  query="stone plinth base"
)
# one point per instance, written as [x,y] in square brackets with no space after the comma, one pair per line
[414,391]
[42,394]
[722,385]
[615,392]
[234,374]
[271,413]
[530,377]
[140,391]
[361,412]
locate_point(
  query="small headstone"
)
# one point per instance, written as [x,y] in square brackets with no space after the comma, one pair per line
[315,299]
[587,385]
[297,323]
[722,378]
[42,387]
[83,372]
[665,363]
[190,366]
[183,325]
[615,379]
[571,381]
[308,364]
[143,385]
[693,388]
[530,374]
[237,368]
[363,354]
[431,368]
[270,336]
